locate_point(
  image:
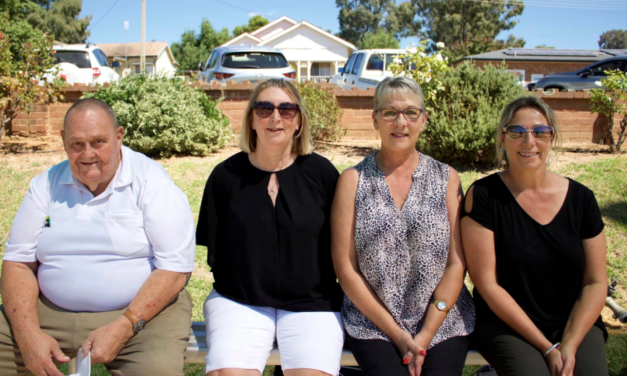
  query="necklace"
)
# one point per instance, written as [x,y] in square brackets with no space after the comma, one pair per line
[271,192]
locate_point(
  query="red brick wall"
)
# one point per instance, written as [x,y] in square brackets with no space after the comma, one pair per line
[578,125]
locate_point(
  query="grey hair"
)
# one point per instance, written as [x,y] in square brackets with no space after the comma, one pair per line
[89,104]
[510,111]
[391,86]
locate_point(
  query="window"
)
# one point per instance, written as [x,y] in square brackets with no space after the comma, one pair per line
[376,61]
[349,64]
[321,69]
[78,58]
[254,60]
[149,69]
[600,69]
[358,60]
[101,57]
[214,60]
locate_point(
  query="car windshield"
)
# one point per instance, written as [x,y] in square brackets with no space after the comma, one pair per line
[78,58]
[254,60]
[376,61]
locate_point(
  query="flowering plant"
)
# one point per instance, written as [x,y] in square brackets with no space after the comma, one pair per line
[424,69]
[611,100]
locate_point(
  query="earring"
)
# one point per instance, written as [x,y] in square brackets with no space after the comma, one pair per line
[503,162]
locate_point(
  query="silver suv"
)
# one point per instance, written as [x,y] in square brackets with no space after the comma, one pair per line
[245,63]
[583,78]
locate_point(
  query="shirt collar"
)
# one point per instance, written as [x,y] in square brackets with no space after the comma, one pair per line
[123,176]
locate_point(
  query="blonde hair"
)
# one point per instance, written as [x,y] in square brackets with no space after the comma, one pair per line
[302,143]
[510,111]
[397,85]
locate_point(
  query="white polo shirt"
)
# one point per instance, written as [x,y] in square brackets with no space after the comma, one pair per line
[96,252]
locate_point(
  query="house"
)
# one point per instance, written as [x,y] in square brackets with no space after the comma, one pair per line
[313,53]
[159,58]
[531,64]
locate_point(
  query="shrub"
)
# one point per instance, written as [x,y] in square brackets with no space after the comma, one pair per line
[464,116]
[165,116]
[611,100]
[324,111]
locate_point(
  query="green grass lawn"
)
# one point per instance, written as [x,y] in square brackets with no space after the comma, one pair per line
[605,176]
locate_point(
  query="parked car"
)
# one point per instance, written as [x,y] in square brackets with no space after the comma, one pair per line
[245,63]
[366,68]
[583,78]
[84,64]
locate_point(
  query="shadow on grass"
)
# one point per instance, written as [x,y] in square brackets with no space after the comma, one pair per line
[617,352]
[616,211]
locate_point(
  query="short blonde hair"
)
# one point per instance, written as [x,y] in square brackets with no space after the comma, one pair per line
[392,86]
[302,144]
[510,111]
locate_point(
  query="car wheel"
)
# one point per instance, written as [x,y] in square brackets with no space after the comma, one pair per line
[558,88]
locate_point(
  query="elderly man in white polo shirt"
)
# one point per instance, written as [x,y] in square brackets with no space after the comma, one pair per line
[98,258]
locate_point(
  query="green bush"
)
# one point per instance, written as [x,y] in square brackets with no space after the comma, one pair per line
[165,116]
[464,116]
[325,114]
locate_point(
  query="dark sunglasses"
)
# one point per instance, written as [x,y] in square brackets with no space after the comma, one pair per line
[518,132]
[265,109]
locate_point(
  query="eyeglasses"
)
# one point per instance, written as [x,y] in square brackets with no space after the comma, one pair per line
[540,132]
[391,114]
[265,109]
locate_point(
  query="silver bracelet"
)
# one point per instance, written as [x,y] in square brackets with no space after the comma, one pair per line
[551,349]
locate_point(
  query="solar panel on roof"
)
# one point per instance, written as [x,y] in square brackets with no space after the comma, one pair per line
[548,52]
[615,52]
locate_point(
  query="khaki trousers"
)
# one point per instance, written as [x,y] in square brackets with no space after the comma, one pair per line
[157,350]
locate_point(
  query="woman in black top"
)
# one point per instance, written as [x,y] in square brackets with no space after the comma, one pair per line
[535,250]
[264,219]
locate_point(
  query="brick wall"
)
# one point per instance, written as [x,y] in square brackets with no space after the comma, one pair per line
[578,125]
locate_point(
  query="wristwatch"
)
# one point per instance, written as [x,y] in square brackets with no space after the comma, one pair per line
[138,324]
[440,305]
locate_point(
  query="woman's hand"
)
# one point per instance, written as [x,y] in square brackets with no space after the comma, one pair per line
[415,364]
[554,362]
[568,359]
[406,345]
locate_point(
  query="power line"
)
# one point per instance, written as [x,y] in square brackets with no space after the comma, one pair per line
[101,18]
[245,10]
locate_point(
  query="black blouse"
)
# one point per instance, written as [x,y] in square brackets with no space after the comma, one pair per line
[540,266]
[271,255]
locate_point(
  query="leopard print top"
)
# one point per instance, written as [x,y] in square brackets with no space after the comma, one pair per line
[402,253]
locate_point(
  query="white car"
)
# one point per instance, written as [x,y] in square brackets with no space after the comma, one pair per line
[366,68]
[84,64]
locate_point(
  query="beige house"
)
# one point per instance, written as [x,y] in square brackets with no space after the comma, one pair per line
[159,58]
[313,53]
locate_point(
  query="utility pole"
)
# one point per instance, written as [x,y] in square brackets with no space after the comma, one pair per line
[142,61]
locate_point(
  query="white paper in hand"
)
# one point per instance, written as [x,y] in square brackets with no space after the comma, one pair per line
[83,365]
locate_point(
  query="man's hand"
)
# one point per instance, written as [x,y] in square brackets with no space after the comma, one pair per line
[38,349]
[106,343]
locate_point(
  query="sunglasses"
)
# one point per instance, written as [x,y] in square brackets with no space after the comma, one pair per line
[265,109]
[540,132]
[391,114]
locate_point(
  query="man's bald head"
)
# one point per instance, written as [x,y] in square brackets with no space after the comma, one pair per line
[91,104]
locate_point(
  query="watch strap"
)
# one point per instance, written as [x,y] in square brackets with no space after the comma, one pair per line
[131,317]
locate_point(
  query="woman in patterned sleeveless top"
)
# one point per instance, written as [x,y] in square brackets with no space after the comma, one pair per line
[397,250]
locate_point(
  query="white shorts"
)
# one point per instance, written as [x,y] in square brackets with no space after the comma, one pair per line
[242,336]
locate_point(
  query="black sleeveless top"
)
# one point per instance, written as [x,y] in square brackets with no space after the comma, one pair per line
[540,266]
[268,255]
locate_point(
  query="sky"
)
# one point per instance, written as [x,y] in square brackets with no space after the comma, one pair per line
[565,24]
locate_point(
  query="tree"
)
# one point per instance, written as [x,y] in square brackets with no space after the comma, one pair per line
[193,48]
[611,100]
[468,27]
[613,39]
[544,46]
[254,23]
[59,18]
[358,17]
[380,39]
[20,74]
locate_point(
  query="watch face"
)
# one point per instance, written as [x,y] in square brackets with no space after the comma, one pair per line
[139,326]
[442,306]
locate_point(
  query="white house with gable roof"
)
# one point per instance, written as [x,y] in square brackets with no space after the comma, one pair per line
[313,53]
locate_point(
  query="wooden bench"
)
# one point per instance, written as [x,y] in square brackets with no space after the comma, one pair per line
[197,349]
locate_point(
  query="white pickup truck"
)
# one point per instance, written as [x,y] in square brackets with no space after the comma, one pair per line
[366,68]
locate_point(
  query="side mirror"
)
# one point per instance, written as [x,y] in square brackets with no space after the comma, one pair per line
[585,73]
[340,70]
[116,64]
[201,66]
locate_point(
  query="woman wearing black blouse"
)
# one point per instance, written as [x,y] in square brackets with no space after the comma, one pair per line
[264,219]
[535,251]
